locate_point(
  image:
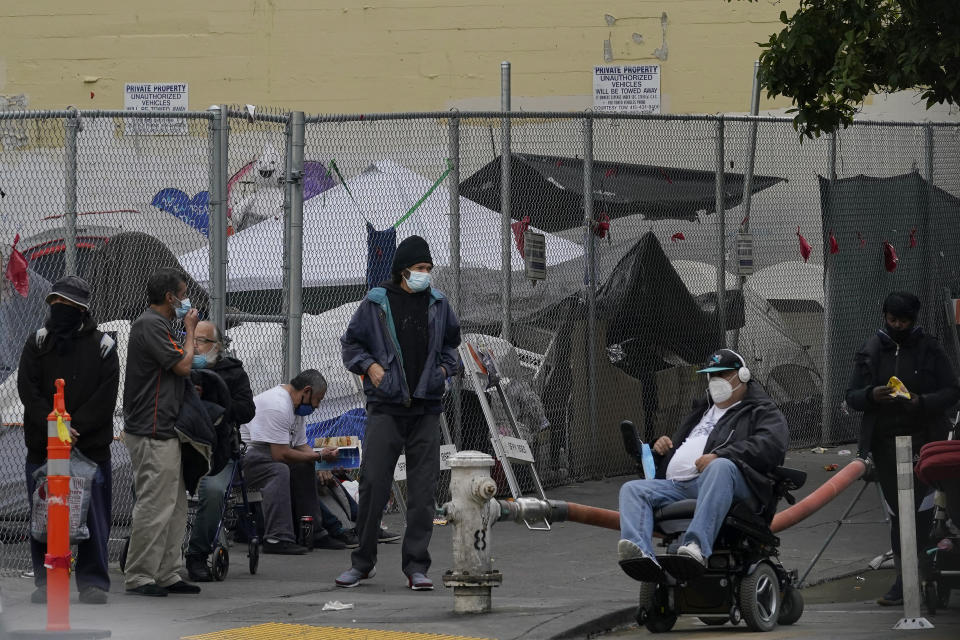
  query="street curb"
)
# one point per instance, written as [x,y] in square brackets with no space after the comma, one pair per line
[601,624]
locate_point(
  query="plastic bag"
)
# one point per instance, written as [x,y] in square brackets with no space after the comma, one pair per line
[82,472]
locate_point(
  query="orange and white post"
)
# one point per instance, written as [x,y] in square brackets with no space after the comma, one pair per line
[57,560]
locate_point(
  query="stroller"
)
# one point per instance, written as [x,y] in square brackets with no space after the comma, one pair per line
[744,579]
[939,467]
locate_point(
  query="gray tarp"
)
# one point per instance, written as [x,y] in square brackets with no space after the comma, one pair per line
[19,317]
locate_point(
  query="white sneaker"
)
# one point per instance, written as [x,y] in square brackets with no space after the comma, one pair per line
[692,550]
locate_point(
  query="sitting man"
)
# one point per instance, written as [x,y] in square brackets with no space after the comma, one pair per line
[280,464]
[727,445]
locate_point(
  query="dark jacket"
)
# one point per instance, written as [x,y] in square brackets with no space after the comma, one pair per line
[242,409]
[201,427]
[91,371]
[922,365]
[752,434]
[371,337]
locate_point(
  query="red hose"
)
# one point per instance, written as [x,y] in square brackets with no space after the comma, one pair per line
[595,516]
[821,496]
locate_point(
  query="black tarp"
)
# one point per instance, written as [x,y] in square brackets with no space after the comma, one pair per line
[549,189]
[868,211]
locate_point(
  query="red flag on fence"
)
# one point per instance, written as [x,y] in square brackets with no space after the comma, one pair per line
[834,247]
[913,237]
[805,247]
[519,228]
[16,271]
[863,241]
[890,258]
[677,236]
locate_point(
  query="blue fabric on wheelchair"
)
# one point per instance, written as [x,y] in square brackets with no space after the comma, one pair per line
[351,423]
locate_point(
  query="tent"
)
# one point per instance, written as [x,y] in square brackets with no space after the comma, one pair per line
[549,189]
[334,234]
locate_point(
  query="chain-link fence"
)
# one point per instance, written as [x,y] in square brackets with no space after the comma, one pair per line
[282,223]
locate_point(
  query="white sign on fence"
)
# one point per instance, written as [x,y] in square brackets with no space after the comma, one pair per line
[155,96]
[446,450]
[627,88]
[516,449]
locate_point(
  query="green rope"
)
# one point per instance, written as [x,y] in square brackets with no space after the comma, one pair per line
[426,195]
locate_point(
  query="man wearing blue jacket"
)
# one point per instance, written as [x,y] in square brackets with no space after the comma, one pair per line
[402,340]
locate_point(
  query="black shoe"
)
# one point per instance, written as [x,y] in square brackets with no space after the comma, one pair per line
[893,597]
[151,589]
[197,567]
[349,538]
[39,595]
[386,536]
[329,542]
[183,587]
[282,547]
[682,567]
[93,595]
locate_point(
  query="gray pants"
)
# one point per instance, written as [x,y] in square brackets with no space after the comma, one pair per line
[385,438]
[159,513]
[288,491]
[210,495]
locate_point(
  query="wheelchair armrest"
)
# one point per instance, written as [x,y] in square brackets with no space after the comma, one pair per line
[788,479]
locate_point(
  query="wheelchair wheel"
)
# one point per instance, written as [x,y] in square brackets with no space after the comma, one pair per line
[654,612]
[221,563]
[715,621]
[253,553]
[760,598]
[791,606]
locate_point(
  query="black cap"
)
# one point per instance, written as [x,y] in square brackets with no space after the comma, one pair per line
[902,304]
[723,360]
[411,251]
[72,288]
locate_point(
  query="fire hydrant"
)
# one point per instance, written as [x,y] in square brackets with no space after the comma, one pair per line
[472,511]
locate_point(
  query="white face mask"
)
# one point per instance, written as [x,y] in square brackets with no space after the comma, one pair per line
[720,389]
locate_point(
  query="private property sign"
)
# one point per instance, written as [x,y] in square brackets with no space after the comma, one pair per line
[155,96]
[627,88]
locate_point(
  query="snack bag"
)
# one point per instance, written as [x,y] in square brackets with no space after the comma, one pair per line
[898,389]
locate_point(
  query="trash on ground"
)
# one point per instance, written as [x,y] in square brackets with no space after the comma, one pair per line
[818,450]
[831,467]
[843,452]
[336,605]
[439,521]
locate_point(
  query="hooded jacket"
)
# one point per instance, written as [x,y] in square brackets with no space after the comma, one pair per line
[371,337]
[202,428]
[922,365]
[752,434]
[242,409]
[91,370]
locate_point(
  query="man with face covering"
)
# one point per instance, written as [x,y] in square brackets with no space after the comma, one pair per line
[901,348]
[720,454]
[402,339]
[209,353]
[69,346]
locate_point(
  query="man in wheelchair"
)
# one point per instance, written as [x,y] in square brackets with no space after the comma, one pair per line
[724,453]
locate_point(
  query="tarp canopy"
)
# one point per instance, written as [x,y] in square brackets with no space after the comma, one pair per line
[19,317]
[549,189]
[790,280]
[335,238]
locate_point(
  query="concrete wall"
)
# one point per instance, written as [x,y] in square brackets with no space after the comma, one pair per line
[379,55]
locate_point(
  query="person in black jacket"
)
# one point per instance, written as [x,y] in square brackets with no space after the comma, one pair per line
[901,349]
[210,355]
[69,346]
[721,453]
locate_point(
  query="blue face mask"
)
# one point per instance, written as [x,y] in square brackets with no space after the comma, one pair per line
[418,280]
[304,408]
[183,308]
[199,361]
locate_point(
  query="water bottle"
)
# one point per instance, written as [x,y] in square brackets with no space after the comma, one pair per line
[646,458]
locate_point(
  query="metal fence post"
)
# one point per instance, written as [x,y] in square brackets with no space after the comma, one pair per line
[219,150]
[453,150]
[929,288]
[721,234]
[590,280]
[505,194]
[829,331]
[294,290]
[287,374]
[748,179]
[72,129]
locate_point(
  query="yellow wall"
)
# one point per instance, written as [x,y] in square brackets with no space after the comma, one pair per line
[376,55]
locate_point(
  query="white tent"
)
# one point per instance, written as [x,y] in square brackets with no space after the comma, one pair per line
[791,280]
[335,237]
[701,277]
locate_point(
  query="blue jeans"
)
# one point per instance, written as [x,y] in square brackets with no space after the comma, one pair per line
[210,499]
[720,484]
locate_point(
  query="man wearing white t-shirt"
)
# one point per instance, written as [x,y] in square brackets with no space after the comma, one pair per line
[727,445]
[276,449]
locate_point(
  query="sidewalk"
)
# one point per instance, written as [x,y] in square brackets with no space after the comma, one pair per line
[562,583]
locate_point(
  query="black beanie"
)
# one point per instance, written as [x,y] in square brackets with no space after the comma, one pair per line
[411,251]
[902,304]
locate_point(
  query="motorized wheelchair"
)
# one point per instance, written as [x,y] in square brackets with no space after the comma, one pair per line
[744,579]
